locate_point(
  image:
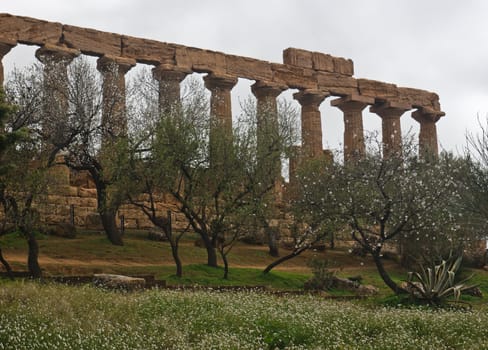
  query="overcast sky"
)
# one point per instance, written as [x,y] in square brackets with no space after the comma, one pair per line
[436,45]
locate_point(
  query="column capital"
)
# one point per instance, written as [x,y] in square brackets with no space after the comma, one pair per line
[427,115]
[352,102]
[390,109]
[56,54]
[169,72]
[106,63]
[222,82]
[311,97]
[267,89]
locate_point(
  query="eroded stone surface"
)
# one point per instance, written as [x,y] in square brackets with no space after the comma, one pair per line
[377,89]
[92,42]
[148,51]
[28,30]
[249,68]
[318,61]
[118,282]
[337,84]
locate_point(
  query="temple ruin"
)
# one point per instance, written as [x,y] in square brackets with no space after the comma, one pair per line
[317,76]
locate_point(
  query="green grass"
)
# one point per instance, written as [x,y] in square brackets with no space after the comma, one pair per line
[90,252]
[209,276]
[36,316]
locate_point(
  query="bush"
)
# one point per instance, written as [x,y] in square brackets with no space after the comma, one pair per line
[323,277]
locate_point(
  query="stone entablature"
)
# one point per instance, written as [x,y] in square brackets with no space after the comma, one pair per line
[301,69]
[316,75]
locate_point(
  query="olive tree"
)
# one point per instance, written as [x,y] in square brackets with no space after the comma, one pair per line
[212,176]
[67,114]
[23,178]
[389,199]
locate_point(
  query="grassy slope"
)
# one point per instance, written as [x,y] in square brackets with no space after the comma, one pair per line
[91,253]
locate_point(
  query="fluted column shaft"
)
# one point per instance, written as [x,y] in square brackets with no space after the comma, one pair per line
[113,70]
[267,124]
[428,130]
[310,101]
[352,107]
[169,79]
[56,89]
[5,47]
[220,116]
[390,114]
[220,100]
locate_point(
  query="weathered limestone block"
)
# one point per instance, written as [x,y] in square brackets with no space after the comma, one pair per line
[67,191]
[249,68]
[318,61]
[419,98]
[148,51]
[377,89]
[343,66]
[182,59]
[201,61]
[337,84]
[322,62]
[28,30]
[118,282]
[93,221]
[87,192]
[57,199]
[298,57]
[84,202]
[81,179]
[294,77]
[92,42]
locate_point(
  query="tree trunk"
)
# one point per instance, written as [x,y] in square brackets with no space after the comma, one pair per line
[109,222]
[176,258]
[33,256]
[275,263]
[108,215]
[211,250]
[6,265]
[273,242]
[385,276]
[226,264]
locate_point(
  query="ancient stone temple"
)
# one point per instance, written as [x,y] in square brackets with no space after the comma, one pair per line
[317,76]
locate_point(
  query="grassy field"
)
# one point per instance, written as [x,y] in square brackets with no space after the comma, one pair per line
[36,316]
[52,316]
[91,253]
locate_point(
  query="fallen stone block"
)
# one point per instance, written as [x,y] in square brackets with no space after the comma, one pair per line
[120,282]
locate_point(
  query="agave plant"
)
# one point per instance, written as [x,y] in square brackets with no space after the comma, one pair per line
[437,283]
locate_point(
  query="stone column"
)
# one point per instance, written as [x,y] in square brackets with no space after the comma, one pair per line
[220,101]
[390,113]
[310,101]
[5,47]
[428,132]
[113,70]
[56,90]
[352,107]
[267,121]
[169,79]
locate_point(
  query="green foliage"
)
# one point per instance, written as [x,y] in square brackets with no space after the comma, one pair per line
[322,275]
[437,283]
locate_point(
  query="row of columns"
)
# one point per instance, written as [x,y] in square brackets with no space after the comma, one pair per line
[113,69]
